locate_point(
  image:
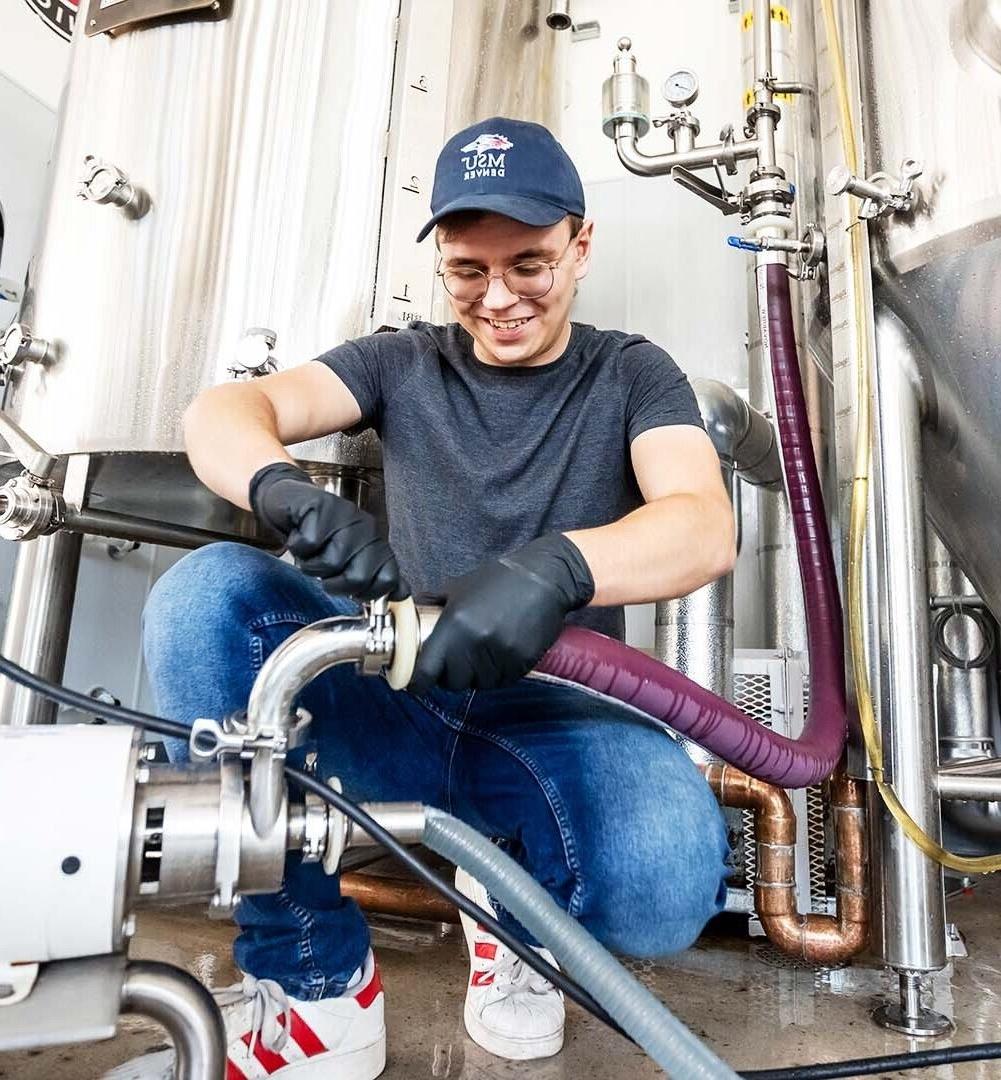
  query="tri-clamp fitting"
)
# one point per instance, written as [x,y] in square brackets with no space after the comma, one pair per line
[881,193]
[102,182]
[20,346]
[29,508]
[810,248]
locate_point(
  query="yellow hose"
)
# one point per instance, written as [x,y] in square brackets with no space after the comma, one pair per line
[985,864]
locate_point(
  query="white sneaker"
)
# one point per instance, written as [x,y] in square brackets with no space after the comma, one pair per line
[272,1034]
[510,1010]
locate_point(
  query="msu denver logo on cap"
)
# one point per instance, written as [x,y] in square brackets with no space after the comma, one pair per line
[484,156]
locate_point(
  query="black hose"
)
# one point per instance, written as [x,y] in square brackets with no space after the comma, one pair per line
[85,703]
[873,1066]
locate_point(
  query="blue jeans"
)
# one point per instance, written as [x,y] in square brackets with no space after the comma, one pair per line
[605,811]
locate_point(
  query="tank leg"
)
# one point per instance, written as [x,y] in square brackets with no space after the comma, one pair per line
[38,622]
[912,915]
[908,1015]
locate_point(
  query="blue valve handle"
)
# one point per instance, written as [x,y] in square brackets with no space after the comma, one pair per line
[744,245]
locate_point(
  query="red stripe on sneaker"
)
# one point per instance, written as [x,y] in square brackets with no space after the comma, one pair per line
[269,1060]
[367,994]
[232,1072]
[486,950]
[309,1042]
[482,978]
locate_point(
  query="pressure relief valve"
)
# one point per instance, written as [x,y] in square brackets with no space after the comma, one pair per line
[625,94]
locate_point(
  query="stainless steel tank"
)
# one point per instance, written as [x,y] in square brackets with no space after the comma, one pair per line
[933,92]
[280,160]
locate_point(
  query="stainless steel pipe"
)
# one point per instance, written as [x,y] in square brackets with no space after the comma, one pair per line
[913,908]
[286,672]
[701,157]
[37,630]
[694,633]
[180,1003]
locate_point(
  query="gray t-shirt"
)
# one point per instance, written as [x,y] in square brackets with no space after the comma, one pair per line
[479,459]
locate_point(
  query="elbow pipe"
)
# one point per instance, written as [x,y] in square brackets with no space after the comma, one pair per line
[612,669]
[285,673]
[744,438]
[813,938]
[178,1002]
[700,157]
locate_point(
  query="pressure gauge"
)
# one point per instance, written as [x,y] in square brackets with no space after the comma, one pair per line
[681,88]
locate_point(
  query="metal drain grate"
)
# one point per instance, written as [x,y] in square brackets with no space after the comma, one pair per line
[766,952]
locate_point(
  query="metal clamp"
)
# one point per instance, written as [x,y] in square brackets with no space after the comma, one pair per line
[29,508]
[881,193]
[210,740]
[104,183]
[254,355]
[381,638]
[19,346]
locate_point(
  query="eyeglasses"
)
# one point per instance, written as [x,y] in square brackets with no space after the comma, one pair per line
[526,280]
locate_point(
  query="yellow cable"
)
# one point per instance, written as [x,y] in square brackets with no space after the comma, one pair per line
[986,864]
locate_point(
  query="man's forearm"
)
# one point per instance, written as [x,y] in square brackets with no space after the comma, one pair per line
[666,548]
[230,432]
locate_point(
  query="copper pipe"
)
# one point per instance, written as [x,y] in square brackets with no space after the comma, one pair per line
[397,896]
[816,939]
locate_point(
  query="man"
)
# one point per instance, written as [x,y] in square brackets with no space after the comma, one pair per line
[536,471]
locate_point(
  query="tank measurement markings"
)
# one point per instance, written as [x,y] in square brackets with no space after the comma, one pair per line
[417,126]
[780,14]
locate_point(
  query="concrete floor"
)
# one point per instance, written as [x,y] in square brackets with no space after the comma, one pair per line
[752,1011]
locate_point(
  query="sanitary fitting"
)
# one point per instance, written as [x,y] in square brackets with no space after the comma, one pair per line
[29,508]
[104,183]
[810,248]
[559,15]
[625,94]
[881,193]
[20,346]
[254,354]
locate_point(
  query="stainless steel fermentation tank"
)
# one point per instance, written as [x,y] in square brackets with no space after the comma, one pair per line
[924,86]
[261,143]
[230,196]
[932,91]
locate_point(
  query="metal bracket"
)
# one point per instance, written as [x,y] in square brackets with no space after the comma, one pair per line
[105,18]
[715,196]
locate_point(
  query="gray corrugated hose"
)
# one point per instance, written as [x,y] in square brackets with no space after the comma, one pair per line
[638,1012]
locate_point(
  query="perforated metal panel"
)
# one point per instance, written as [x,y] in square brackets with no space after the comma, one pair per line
[772,688]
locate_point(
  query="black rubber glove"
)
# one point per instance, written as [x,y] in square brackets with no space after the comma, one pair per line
[500,619]
[329,536]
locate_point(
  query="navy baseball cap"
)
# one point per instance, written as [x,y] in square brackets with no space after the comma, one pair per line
[510,167]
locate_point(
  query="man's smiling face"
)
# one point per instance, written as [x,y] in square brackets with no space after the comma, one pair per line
[509,331]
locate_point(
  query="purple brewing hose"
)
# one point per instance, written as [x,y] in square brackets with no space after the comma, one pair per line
[615,670]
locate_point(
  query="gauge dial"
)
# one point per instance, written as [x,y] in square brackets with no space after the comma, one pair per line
[681,88]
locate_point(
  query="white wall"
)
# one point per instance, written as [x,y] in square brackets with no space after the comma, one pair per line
[33,55]
[661,265]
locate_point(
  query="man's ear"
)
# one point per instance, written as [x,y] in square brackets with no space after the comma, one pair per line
[584,240]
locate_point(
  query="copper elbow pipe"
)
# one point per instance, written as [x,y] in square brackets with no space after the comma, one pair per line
[816,939]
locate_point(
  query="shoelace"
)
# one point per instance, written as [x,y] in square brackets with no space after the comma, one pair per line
[511,973]
[269,1003]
